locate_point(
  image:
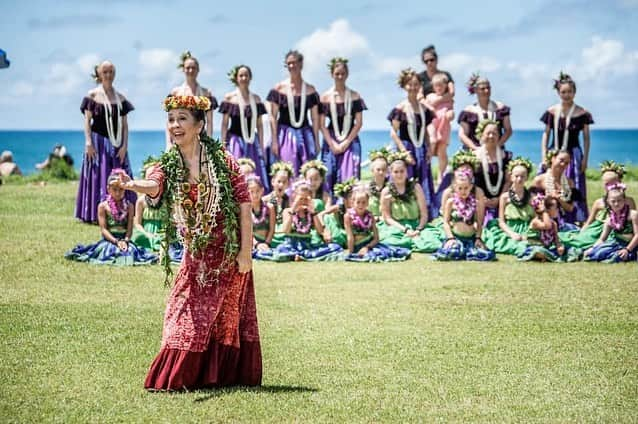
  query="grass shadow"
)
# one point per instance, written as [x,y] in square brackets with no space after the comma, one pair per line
[217,392]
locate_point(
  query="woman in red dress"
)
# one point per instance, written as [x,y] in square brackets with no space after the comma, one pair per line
[210,336]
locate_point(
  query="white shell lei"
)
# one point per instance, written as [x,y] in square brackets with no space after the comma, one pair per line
[291,105]
[418,142]
[557,114]
[490,113]
[248,136]
[114,138]
[347,119]
[550,186]
[492,189]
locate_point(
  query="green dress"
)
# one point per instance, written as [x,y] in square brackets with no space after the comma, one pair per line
[406,212]
[517,219]
[535,248]
[584,239]
[374,204]
[152,223]
[279,237]
[334,224]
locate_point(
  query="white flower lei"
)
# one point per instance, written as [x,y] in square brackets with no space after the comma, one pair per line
[482,153]
[114,138]
[347,119]
[418,142]
[249,137]
[550,186]
[291,104]
[557,114]
[489,113]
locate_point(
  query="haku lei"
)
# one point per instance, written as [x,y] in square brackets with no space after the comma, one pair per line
[263,214]
[406,195]
[617,220]
[518,201]
[374,189]
[465,208]
[302,225]
[119,214]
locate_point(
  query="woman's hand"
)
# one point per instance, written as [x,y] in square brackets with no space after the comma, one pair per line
[274,148]
[244,261]
[122,245]
[583,166]
[262,247]
[412,233]
[121,154]
[90,152]
[411,160]
[363,251]
[478,243]
[623,253]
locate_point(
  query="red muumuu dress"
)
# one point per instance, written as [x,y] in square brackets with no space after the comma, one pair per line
[210,336]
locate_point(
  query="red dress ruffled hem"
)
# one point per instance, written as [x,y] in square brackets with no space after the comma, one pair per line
[218,366]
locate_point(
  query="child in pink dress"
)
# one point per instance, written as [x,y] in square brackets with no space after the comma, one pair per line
[439,128]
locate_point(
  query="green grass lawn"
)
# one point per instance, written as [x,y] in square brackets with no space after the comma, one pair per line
[341,342]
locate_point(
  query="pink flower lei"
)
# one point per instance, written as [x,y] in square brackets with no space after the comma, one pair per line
[617,220]
[302,225]
[362,223]
[465,207]
[263,214]
[118,214]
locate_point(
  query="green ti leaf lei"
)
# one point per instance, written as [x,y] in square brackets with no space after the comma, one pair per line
[175,174]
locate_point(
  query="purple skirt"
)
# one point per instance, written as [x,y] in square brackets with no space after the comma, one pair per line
[344,166]
[580,212]
[94,176]
[423,172]
[296,145]
[238,147]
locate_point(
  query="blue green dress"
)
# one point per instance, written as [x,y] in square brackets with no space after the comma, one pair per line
[405,210]
[536,249]
[463,247]
[106,253]
[279,237]
[152,219]
[517,219]
[374,203]
[260,227]
[607,251]
[586,238]
[379,253]
[334,224]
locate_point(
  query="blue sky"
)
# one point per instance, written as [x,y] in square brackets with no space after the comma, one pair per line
[519,45]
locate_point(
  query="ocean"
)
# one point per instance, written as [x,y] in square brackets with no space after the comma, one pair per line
[31,147]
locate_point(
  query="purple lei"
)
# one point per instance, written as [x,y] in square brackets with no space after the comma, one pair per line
[618,220]
[263,214]
[302,225]
[362,223]
[547,237]
[118,214]
[465,207]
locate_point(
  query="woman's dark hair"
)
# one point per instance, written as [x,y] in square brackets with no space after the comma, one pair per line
[296,54]
[429,49]
[199,115]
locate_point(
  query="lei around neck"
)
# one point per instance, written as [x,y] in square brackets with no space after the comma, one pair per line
[175,174]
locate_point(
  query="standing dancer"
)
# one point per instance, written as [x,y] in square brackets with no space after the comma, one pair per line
[106,142]
[244,137]
[294,140]
[341,150]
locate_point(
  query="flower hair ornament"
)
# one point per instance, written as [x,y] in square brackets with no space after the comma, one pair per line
[254,179]
[617,186]
[337,61]
[381,153]
[482,125]
[562,78]
[232,74]
[402,156]
[183,58]
[465,157]
[464,173]
[148,162]
[247,161]
[317,164]
[282,166]
[549,156]
[187,102]
[537,200]
[474,81]
[345,188]
[302,184]
[520,161]
[404,76]
[612,166]
[96,73]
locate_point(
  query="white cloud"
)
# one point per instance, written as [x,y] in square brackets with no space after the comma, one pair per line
[607,57]
[157,62]
[464,64]
[339,39]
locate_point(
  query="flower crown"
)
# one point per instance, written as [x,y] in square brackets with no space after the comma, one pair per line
[115,175]
[481,127]
[282,166]
[301,183]
[317,164]
[465,157]
[549,156]
[562,78]
[615,186]
[247,161]
[399,156]
[612,166]
[403,75]
[537,199]
[464,173]
[345,188]
[474,81]
[254,179]
[183,58]
[336,61]
[520,161]
[187,102]
[381,153]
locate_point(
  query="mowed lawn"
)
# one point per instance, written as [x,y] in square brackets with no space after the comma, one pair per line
[403,342]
